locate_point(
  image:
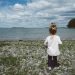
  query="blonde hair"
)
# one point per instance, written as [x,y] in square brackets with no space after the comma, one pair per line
[53,29]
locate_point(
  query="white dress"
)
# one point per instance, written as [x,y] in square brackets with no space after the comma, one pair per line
[53,42]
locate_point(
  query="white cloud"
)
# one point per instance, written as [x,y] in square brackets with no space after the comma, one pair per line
[18,7]
[30,13]
[41,14]
[38,5]
[2,15]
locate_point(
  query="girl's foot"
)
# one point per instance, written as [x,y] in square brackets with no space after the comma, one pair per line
[49,68]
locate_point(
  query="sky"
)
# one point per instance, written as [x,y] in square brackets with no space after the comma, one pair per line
[36,13]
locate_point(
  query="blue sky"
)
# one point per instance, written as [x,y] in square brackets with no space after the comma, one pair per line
[36,13]
[12,2]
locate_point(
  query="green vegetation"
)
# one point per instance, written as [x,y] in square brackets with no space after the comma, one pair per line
[30,58]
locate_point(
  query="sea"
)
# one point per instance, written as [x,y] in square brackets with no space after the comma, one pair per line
[19,33]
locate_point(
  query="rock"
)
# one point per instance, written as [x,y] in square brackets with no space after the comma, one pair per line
[71,23]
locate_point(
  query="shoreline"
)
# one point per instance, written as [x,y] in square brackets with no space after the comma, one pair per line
[37,40]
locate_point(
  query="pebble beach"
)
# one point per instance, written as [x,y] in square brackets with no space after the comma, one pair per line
[29,57]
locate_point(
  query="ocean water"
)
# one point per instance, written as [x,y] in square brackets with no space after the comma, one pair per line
[34,33]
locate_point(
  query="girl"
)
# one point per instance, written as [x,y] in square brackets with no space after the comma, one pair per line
[52,43]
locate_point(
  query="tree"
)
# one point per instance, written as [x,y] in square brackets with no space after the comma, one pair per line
[71,23]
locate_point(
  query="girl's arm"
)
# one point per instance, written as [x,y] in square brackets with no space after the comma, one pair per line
[46,43]
[59,41]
